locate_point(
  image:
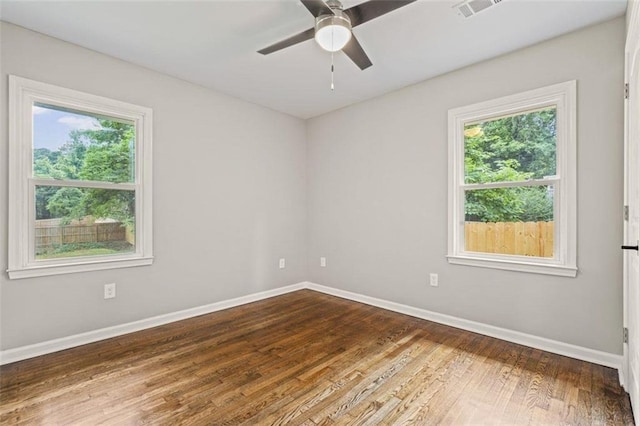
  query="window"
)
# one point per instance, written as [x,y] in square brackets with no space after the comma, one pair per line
[512,182]
[79,181]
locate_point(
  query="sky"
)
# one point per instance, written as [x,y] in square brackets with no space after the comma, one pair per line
[51,127]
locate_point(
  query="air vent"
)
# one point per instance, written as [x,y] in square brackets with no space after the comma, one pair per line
[469,8]
[465,10]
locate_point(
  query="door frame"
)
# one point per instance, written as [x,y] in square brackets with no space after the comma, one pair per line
[632,44]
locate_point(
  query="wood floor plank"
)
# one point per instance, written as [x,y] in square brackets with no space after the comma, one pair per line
[308,359]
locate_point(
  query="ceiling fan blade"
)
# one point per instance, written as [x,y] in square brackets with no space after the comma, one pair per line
[317,7]
[356,53]
[364,12]
[298,38]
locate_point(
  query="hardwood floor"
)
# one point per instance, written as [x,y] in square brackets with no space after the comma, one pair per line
[307,358]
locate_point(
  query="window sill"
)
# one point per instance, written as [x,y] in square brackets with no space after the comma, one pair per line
[85,266]
[514,265]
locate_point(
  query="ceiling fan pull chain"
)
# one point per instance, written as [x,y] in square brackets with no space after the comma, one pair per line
[332,87]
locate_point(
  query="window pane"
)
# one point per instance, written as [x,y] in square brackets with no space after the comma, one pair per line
[516,221]
[72,222]
[74,145]
[511,149]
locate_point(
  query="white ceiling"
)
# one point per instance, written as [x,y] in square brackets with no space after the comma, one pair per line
[214,43]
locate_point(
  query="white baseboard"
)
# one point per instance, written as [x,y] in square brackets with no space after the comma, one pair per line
[554,346]
[573,351]
[55,345]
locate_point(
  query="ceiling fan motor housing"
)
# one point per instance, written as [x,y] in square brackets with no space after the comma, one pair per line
[333,32]
[333,24]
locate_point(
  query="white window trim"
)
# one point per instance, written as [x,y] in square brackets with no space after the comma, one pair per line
[22,94]
[563,97]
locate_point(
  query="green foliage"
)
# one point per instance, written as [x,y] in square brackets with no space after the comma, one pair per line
[520,204]
[104,203]
[103,155]
[44,161]
[510,149]
[109,157]
[536,204]
[492,205]
[67,203]
[71,157]
[85,249]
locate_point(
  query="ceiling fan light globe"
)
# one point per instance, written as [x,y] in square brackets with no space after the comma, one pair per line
[332,32]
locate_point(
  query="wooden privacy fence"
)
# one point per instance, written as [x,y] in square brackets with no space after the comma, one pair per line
[521,238]
[53,235]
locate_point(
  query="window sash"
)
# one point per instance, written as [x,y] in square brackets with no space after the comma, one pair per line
[83,184]
[557,242]
[33,183]
[511,184]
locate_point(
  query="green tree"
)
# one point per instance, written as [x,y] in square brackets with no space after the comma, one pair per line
[510,149]
[537,204]
[67,203]
[72,155]
[44,166]
[64,163]
[40,153]
[109,157]
[103,155]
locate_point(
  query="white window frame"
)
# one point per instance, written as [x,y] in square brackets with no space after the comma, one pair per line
[23,93]
[563,97]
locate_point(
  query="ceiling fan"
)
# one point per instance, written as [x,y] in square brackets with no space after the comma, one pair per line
[332,29]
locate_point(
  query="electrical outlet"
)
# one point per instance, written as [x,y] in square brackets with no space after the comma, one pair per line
[281,264]
[433,280]
[110,291]
[323,262]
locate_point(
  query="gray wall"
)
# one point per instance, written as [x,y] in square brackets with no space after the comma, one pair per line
[377,196]
[235,188]
[229,198]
